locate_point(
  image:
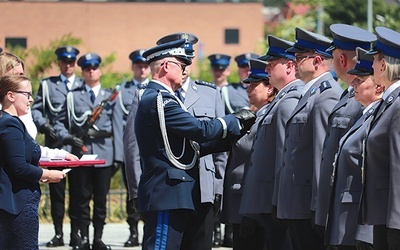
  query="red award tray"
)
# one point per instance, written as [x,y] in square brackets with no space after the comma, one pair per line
[64,163]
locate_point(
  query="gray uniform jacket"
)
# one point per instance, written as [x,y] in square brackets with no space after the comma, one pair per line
[346,112]
[121,110]
[381,194]
[49,102]
[99,141]
[204,101]
[234,97]
[342,226]
[236,168]
[132,161]
[267,151]
[304,136]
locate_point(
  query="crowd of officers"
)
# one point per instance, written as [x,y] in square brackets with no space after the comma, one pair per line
[315,168]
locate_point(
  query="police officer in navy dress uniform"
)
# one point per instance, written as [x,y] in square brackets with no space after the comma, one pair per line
[380,197]
[203,101]
[127,92]
[267,150]
[49,102]
[91,182]
[169,190]
[345,113]
[304,135]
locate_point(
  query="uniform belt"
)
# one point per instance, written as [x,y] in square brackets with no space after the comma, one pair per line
[93,133]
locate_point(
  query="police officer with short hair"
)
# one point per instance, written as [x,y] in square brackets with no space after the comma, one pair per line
[169,189]
[96,132]
[203,101]
[127,92]
[304,133]
[346,39]
[49,102]
[267,150]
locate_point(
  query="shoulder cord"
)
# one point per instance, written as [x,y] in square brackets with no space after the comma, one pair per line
[171,157]
[79,121]
[225,98]
[126,112]
[46,98]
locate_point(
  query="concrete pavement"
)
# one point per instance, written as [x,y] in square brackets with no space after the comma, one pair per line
[115,234]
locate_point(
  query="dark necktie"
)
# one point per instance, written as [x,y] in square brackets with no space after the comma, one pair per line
[92,96]
[66,84]
[178,93]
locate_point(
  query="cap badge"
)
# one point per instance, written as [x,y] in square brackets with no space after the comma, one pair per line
[185,36]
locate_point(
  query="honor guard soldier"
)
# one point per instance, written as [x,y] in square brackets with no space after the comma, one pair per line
[49,103]
[342,229]
[203,100]
[380,202]
[250,234]
[89,110]
[127,92]
[267,150]
[304,136]
[169,189]
[234,96]
[347,111]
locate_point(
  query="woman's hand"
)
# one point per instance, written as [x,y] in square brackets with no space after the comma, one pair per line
[71,157]
[52,176]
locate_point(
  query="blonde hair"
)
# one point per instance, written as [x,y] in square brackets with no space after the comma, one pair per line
[392,69]
[8,61]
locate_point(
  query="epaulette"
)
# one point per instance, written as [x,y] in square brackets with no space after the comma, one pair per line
[293,88]
[203,83]
[324,86]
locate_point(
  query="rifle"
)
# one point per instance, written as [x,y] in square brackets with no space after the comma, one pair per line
[95,116]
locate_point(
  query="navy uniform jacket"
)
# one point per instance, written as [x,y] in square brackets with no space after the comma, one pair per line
[102,145]
[236,169]
[304,136]
[204,102]
[236,96]
[163,186]
[19,158]
[346,112]
[381,194]
[267,151]
[49,103]
[342,226]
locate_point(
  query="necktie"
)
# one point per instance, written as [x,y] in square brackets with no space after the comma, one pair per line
[92,96]
[178,93]
[66,84]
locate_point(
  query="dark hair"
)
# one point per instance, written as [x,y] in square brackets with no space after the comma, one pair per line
[10,83]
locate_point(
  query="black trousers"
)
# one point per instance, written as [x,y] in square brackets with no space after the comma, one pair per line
[277,238]
[89,183]
[303,236]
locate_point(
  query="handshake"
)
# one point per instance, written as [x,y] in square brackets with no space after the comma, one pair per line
[246,118]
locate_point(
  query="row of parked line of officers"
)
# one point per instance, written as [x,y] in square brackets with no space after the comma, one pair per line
[317,168]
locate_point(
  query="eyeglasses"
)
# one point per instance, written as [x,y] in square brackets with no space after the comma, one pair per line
[25,93]
[298,59]
[182,66]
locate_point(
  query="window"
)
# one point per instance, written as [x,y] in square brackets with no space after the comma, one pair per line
[16,42]
[231,36]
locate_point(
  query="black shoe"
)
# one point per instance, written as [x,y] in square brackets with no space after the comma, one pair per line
[74,240]
[99,245]
[228,240]
[83,244]
[133,241]
[57,241]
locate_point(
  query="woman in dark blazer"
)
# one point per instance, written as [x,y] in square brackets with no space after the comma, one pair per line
[19,171]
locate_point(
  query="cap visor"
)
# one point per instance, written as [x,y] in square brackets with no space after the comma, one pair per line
[296,50]
[184,59]
[252,79]
[358,72]
[268,57]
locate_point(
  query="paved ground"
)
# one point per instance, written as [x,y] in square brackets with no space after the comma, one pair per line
[115,234]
